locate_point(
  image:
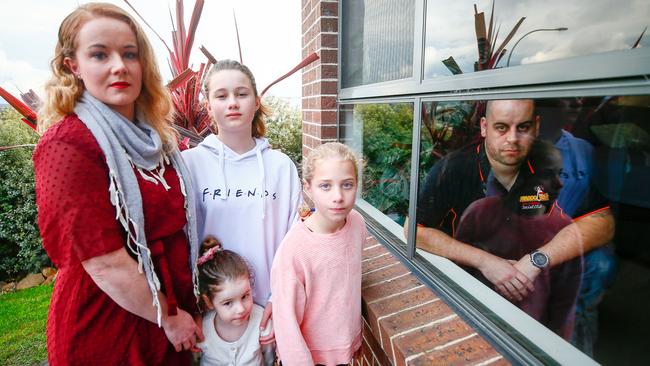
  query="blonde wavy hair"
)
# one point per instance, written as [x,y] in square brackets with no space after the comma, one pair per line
[63,90]
[327,151]
[259,128]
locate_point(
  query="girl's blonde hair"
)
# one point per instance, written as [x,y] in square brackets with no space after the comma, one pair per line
[221,266]
[259,128]
[63,90]
[327,151]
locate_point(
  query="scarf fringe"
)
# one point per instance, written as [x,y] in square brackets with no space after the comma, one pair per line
[156,174]
[134,245]
[194,266]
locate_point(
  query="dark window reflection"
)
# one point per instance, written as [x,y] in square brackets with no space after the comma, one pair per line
[507,186]
[460,40]
[377,39]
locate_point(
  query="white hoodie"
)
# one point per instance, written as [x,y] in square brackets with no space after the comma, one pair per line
[230,205]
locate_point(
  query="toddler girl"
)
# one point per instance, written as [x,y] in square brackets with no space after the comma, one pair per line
[231,325]
[316,272]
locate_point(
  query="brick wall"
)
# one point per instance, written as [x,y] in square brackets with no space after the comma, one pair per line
[405,323]
[319,79]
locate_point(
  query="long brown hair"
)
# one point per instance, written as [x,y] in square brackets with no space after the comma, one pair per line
[63,90]
[259,128]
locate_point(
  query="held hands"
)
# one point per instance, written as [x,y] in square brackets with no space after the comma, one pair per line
[525,266]
[267,336]
[181,330]
[509,281]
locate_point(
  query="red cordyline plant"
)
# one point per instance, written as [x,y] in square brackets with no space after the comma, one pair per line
[486,39]
[191,117]
[29,116]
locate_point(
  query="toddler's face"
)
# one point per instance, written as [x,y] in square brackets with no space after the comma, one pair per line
[234,301]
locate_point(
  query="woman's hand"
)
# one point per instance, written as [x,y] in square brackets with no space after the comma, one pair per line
[269,335]
[181,330]
[116,273]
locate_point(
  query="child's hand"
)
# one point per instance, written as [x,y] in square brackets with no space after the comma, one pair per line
[267,334]
[198,319]
[181,330]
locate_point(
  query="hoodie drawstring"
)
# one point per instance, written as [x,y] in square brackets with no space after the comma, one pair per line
[222,168]
[262,186]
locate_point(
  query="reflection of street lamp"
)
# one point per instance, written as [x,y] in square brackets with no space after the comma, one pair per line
[559,29]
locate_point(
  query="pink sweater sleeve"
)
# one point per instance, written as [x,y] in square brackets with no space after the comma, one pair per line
[288,311]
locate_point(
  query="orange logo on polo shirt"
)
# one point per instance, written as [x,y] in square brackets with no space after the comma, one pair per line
[539,196]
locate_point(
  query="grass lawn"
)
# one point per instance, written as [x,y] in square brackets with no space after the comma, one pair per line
[23,315]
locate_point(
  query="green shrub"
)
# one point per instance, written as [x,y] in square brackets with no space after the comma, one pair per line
[20,243]
[284,128]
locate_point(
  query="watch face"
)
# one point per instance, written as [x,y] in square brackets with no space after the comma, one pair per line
[539,259]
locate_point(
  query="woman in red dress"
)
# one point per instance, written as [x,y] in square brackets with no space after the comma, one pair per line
[113,209]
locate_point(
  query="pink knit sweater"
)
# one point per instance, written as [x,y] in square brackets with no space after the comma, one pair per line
[316,287]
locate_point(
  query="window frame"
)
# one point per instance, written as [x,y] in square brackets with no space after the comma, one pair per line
[625,72]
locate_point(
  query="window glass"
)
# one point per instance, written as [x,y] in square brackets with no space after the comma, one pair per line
[377,41]
[458,31]
[382,134]
[508,178]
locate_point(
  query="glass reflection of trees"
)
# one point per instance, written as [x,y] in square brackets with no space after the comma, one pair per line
[446,126]
[387,136]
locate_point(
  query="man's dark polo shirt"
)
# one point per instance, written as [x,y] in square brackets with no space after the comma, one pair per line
[454,183]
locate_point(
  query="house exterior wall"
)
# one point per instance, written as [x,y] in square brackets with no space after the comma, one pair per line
[405,323]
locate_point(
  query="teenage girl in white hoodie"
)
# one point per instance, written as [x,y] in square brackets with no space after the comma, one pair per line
[247,194]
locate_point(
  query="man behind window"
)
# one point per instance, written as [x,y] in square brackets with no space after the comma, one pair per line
[509,129]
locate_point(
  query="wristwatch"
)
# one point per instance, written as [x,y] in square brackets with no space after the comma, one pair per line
[539,259]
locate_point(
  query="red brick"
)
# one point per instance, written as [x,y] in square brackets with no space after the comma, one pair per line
[329,132]
[329,72]
[472,351]
[308,116]
[401,284]
[327,102]
[374,278]
[375,349]
[428,338]
[391,305]
[374,264]
[329,25]
[325,87]
[328,56]
[500,362]
[370,241]
[415,317]
[329,9]
[325,117]
[329,41]
[373,251]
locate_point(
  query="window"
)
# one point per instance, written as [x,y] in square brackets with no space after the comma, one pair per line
[378,35]
[549,30]
[590,155]
[382,135]
[428,172]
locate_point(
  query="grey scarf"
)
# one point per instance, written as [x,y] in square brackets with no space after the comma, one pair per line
[127,145]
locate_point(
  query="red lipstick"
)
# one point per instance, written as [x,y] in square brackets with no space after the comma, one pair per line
[120,85]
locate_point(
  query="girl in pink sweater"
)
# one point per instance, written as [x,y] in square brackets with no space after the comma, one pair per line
[316,272]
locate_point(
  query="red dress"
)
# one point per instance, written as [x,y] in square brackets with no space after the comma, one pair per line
[77,222]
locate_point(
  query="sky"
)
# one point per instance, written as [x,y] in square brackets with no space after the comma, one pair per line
[270,34]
